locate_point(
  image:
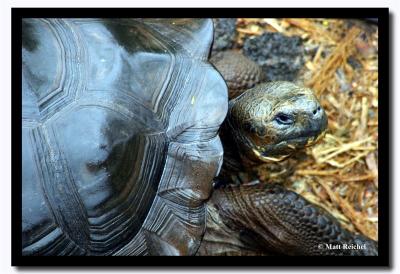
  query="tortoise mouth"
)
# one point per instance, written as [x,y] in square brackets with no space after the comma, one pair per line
[305,140]
[284,149]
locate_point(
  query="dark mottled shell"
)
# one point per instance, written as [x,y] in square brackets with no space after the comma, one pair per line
[119,131]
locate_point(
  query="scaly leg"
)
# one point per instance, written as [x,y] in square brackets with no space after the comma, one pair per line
[268,219]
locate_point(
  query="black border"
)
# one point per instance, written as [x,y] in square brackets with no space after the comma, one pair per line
[384,258]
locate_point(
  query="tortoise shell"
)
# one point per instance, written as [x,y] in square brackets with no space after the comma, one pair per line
[119,135]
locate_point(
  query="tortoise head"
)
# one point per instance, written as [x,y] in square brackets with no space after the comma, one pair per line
[273,120]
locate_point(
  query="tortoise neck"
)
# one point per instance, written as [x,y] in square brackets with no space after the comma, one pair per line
[234,151]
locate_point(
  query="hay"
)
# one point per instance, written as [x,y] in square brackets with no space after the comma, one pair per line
[340,173]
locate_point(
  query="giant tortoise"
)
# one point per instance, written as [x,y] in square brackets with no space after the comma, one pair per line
[120,146]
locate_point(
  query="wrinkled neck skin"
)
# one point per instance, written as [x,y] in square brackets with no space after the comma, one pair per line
[235,158]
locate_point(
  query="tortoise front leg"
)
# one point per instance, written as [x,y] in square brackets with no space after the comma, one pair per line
[269,219]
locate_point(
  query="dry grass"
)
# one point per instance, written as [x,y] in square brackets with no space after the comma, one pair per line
[340,173]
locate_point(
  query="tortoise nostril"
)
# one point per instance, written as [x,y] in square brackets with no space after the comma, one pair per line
[315,111]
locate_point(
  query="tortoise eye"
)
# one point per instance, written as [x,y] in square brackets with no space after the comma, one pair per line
[284,119]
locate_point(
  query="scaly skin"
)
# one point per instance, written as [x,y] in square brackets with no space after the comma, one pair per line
[266,219]
[267,124]
[239,72]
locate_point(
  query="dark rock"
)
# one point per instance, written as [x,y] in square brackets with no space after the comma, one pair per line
[281,57]
[224,33]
